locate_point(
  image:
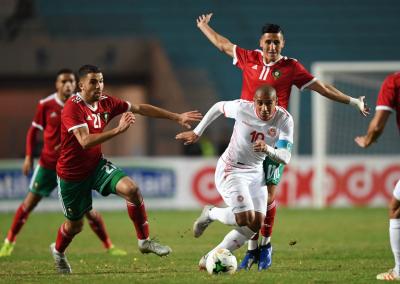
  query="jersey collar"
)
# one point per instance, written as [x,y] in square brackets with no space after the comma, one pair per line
[272,63]
[92,108]
[58,100]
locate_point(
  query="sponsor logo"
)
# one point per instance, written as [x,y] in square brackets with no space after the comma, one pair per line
[53,114]
[254,67]
[88,117]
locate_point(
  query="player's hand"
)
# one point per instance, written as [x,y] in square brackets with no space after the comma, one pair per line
[190,116]
[126,121]
[362,141]
[188,137]
[203,19]
[259,146]
[27,166]
[362,106]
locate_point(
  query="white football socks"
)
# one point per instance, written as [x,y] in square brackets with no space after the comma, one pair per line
[235,239]
[394,231]
[224,215]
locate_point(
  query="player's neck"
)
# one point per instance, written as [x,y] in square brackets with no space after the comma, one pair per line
[88,100]
[270,61]
[61,98]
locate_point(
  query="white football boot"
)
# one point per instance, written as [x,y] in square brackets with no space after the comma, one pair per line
[60,260]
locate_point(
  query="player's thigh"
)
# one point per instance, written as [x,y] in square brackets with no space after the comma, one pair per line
[107,176]
[43,181]
[75,197]
[272,171]
[394,205]
[233,186]
[258,194]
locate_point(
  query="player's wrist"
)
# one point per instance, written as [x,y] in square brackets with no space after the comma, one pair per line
[354,102]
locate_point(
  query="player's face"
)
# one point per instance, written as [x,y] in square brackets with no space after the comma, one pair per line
[265,105]
[92,86]
[65,85]
[272,45]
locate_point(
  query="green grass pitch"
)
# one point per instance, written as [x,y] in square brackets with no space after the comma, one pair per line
[310,246]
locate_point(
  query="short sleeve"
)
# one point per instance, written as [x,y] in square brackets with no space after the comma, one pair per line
[241,56]
[73,116]
[387,95]
[118,106]
[301,77]
[39,120]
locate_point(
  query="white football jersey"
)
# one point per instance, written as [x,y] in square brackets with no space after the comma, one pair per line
[249,128]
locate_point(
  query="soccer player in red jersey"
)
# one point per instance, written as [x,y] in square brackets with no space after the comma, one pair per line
[82,168]
[387,103]
[44,180]
[268,66]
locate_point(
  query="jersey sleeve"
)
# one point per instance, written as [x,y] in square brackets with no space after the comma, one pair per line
[387,95]
[241,56]
[118,106]
[286,130]
[72,116]
[301,77]
[39,120]
[231,108]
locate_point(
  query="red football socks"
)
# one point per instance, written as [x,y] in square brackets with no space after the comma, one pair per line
[64,238]
[139,218]
[97,224]
[21,215]
[266,229]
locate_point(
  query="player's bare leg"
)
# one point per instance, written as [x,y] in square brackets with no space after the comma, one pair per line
[394,229]
[128,189]
[65,234]
[96,222]
[20,217]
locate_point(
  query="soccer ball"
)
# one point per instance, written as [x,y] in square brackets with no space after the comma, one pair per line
[221,261]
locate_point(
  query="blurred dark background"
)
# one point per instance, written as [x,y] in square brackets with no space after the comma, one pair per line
[152,51]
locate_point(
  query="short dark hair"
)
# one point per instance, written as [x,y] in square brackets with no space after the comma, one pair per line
[271,28]
[266,90]
[65,71]
[87,69]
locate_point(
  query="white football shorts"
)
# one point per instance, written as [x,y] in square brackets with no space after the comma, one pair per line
[241,188]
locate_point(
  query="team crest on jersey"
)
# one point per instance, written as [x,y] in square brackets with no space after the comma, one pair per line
[272,131]
[240,198]
[276,74]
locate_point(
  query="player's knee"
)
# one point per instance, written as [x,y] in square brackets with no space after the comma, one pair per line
[133,193]
[75,227]
[245,218]
[394,209]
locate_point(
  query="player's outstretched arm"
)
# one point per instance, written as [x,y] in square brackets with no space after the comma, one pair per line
[188,137]
[375,129]
[220,42]
[88,140]
[183,119]
[334,94]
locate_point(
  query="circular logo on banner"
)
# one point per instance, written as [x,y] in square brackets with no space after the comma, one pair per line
[203,187]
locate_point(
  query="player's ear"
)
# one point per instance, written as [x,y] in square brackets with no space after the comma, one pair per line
[261,42]
[80,85]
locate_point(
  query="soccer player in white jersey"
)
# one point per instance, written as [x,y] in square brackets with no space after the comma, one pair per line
[261,129]
[263,66]
[387,103]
